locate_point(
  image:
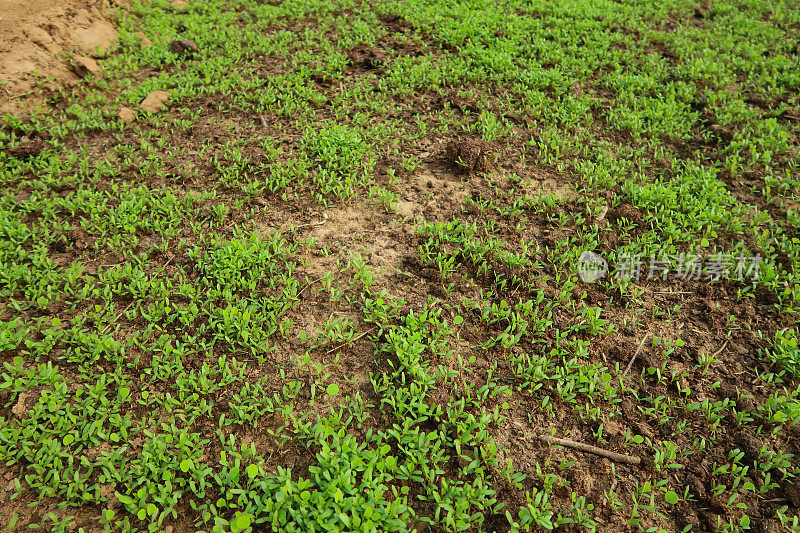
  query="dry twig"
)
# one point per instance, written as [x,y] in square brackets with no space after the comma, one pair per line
[724,344]
[370,330]
[588,448]
[639,349]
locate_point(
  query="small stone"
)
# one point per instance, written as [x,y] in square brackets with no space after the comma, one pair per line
[168,529]
[144,42]
[184,47]
[126,115]
[178,5]
[154,102]
[85,66]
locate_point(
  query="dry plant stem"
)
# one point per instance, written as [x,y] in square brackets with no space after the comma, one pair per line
[724,344]
[116,319]
[587,448]
[639,349]
[306,225]
[307,285]
[370,330]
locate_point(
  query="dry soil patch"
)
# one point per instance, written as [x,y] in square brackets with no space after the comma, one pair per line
[38,41]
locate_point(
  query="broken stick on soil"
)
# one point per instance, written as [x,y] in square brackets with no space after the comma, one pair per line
[370,330]
[614,456]
[639,349]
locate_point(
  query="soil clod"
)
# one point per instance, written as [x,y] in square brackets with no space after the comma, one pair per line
[468,154]
[126,114]
[626,211]
[184,47]
[154,102]
[85,66]
[368,58]
[25,403]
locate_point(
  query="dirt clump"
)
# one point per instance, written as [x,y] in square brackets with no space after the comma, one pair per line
[367,58]
[84,66]
[184,47]
[792,493]
[25,403]
[126,114]
[154,102]
[626,211]
[468,154]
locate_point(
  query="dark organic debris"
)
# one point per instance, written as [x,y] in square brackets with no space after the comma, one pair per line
[368,58]
[26,149]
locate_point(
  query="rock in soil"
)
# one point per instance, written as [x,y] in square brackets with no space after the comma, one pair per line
[184,47]
[85,66]
[154,102]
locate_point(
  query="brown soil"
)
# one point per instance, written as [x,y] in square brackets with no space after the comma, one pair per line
[38,41]
[450,170]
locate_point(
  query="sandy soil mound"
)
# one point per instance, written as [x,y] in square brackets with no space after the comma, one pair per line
[41,42]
